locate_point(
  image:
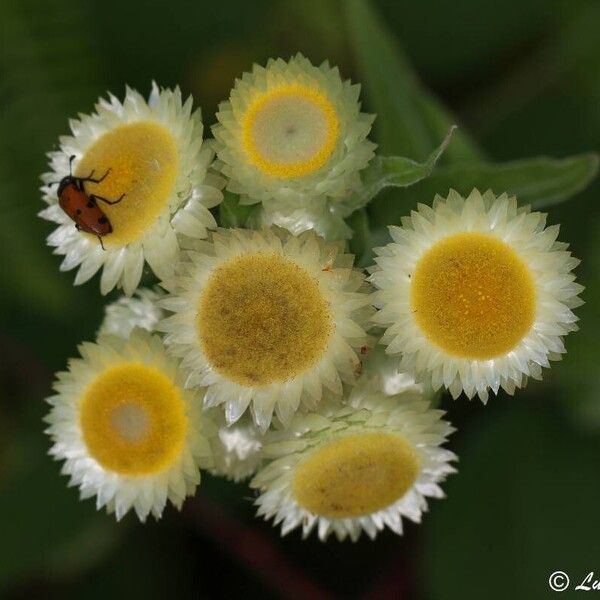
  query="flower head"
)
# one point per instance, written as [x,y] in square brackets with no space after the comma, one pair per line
[345,471]
[290,136]
[266,319]
[122,316]
[125,427]
[476,292]
[148,169]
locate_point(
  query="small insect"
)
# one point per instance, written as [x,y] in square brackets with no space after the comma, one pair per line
[82,207]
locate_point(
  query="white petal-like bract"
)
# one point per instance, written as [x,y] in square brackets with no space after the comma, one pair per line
[475,293]
[128,431]
[266,320]
[346,470]
[149,171]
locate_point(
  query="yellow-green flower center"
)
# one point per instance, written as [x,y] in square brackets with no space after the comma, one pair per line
[473,296]
[262,318]
[356,475]
[143,160]
[290,131]
[133,419]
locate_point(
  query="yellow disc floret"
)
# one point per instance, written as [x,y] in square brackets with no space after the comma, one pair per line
[356,475]
[143,161]
[262,319]
[473,296]
[133,419]
[290,131]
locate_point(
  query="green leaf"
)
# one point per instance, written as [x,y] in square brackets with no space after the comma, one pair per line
[438,119]
[232,213]
[409,119]
[397,171]
[538,181]
[387,78]
[522,505]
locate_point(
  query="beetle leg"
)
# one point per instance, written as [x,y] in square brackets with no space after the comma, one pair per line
[78,227]
[94,197]
[91,180]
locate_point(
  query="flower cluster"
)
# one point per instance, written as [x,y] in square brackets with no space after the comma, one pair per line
[264,352]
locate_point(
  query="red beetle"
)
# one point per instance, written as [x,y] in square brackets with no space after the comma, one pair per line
[83,208]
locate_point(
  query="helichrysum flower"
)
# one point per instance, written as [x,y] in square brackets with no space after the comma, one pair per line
[476,293]
[345,471]
[290,136]
[154,160]
[266,319]
[122,316]
[236,447]
[125,427]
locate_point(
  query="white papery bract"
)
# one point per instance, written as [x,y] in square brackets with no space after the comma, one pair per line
[517,235]
[380,374]
[273,362]
[236,448]
[146,486]
[122,316]
[152,152]
[292,136]
[401,418]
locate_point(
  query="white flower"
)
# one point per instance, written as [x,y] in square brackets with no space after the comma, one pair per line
[125,427]
[292,136]
[122,316]
[150,158]
[345,471]
[266,319]
[476,293]
[236,448]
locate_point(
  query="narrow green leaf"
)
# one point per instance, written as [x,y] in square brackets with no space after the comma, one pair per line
[398,171]
[387,78]
[409,118]
[538,181]
[438,119]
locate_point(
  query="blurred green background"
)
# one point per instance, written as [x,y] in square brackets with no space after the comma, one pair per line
[522,78]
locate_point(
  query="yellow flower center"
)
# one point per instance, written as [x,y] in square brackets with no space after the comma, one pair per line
[356,475]
[143,160]
[473,296]
[290,131]
[262,319]
[133,419]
